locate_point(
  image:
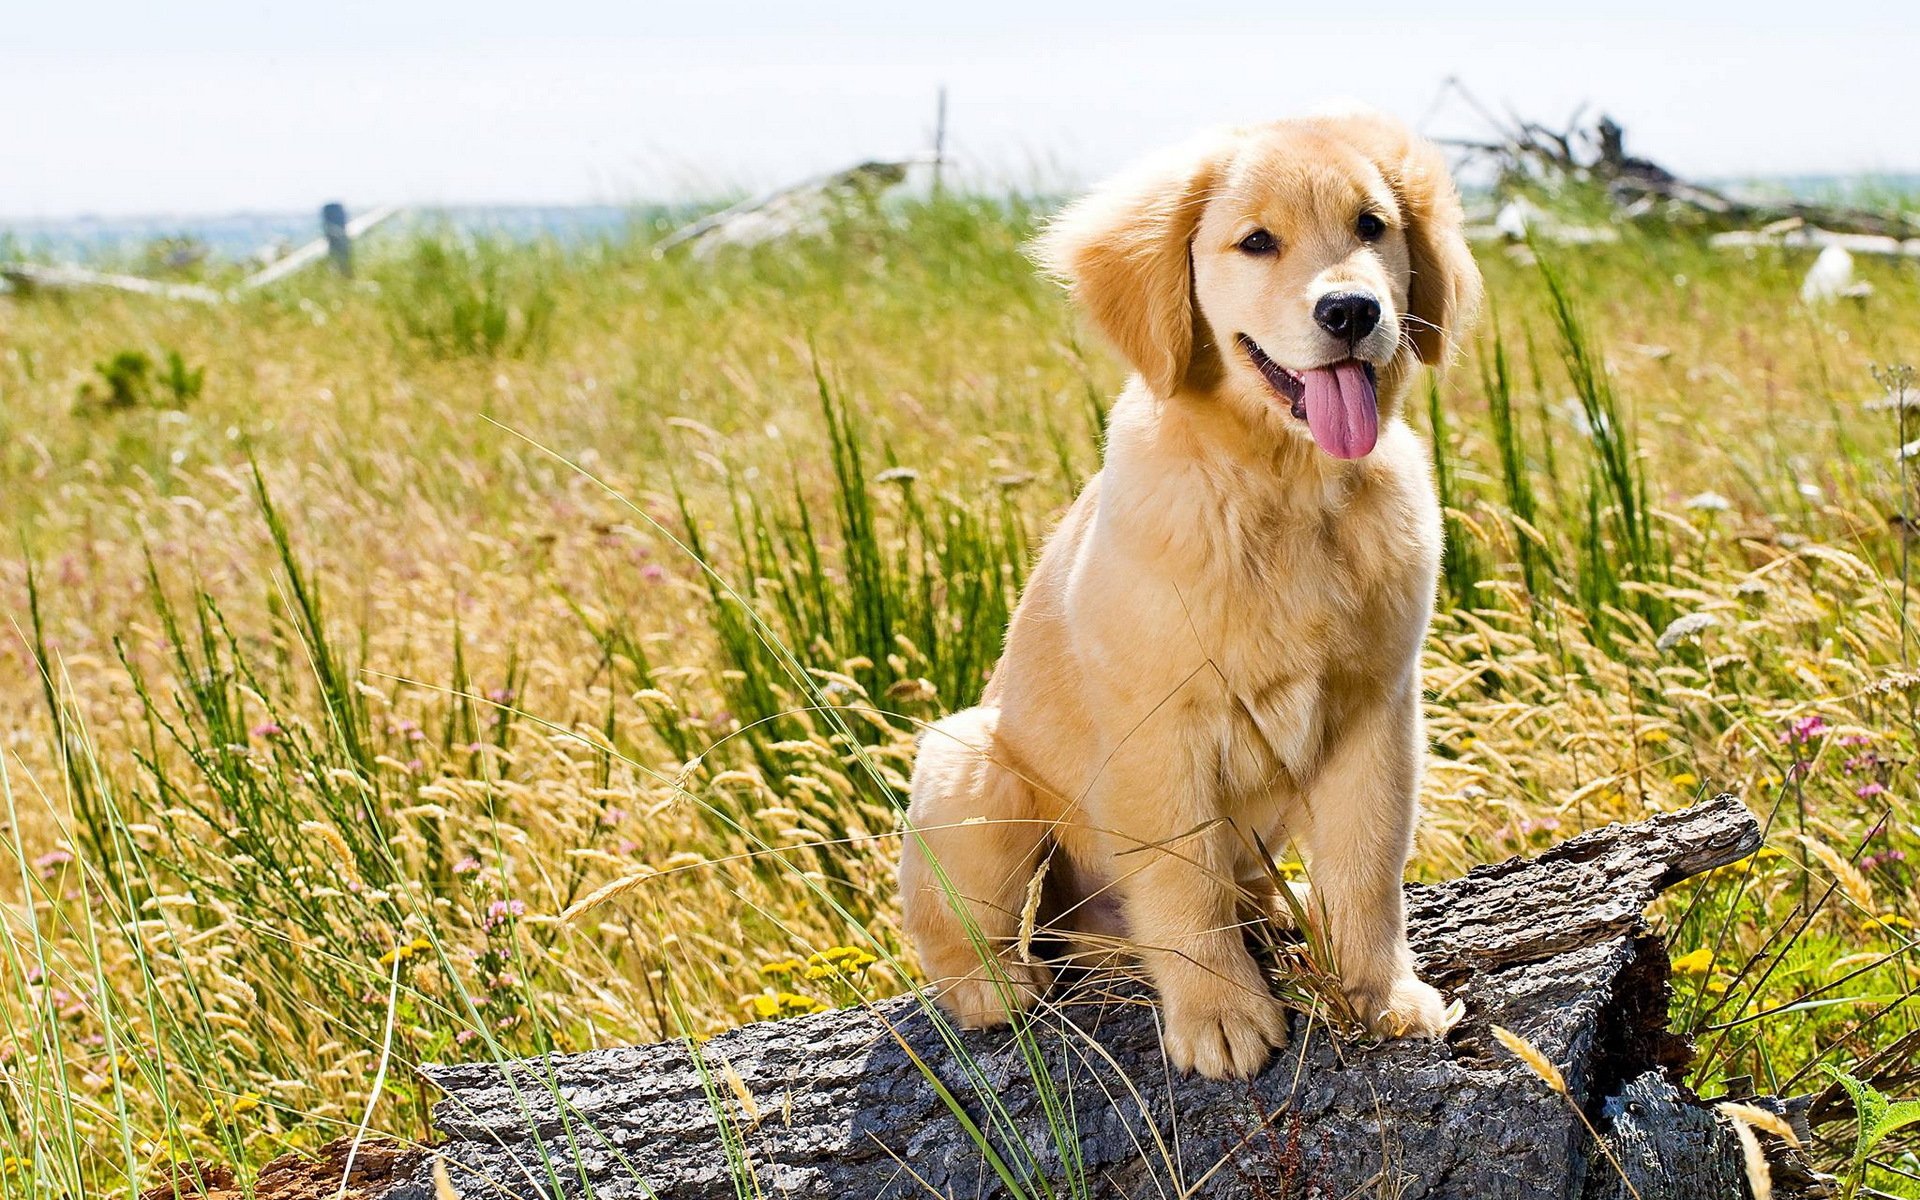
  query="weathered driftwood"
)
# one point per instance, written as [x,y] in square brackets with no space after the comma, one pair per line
[30,277]
[1526,152]
[1554,948]
[804,207]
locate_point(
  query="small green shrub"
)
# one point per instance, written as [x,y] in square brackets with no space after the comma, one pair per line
[459,298]
[182,382]
[130,379]
[1875,1117]
[127,377]
[181,256]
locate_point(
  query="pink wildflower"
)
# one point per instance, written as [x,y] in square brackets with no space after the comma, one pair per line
[502,912]
[1805,729]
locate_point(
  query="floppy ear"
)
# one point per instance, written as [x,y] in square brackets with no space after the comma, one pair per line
[1125,253]
[1444,293]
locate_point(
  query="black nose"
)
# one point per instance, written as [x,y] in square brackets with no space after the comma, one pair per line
[1348,316]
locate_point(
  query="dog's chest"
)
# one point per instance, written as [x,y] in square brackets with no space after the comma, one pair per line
[1258,610]
[1285,627]
[1289,590]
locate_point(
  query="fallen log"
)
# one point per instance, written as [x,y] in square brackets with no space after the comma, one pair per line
[880,1102]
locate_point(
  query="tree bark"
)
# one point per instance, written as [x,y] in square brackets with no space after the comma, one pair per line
[844,1104]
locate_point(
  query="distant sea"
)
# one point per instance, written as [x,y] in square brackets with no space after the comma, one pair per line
[239,236]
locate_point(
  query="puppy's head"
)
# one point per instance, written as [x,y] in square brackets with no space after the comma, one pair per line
[1295,270]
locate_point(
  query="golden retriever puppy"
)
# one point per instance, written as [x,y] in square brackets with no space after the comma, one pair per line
[1222,638]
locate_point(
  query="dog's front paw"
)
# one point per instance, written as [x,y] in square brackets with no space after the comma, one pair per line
[979,1002]
[1227,1032]
[1405,1008]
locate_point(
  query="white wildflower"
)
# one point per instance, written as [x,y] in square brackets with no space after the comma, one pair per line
[1683,627]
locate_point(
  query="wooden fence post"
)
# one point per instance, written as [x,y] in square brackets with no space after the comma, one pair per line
[939,139]
[333,224]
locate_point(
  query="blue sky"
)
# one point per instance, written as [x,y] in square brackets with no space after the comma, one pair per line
[202,106]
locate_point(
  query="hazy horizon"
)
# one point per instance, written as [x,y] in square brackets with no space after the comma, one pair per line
[223,107]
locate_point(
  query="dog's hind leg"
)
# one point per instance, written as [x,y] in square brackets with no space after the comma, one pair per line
[975,837]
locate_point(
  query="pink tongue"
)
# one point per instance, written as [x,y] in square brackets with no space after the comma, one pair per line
[1342,411]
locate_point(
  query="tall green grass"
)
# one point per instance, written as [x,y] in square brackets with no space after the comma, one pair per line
[457,297]
[913,589]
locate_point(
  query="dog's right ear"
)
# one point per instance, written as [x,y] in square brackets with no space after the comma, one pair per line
[1126,254]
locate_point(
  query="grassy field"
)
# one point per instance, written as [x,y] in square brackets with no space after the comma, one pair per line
[521,648]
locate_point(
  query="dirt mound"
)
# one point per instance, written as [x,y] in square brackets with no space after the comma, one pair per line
[316,1176]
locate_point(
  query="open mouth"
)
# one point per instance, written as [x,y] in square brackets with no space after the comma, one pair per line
[1340,401]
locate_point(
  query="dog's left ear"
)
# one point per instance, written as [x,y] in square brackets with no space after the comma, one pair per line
[1444,293]
[1126,253]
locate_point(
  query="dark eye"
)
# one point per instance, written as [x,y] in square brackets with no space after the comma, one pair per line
[1370,227]
[1259,242]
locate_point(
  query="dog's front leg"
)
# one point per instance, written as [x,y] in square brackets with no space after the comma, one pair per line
[1359,835]
[1174,862]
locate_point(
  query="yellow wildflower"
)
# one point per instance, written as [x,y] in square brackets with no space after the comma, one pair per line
[768,1005]
[1697,962]
[404,951]
[838,960]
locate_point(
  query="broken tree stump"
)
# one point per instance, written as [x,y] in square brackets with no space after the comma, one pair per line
[1555,948]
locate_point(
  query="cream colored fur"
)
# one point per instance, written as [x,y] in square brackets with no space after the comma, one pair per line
[1221,639]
